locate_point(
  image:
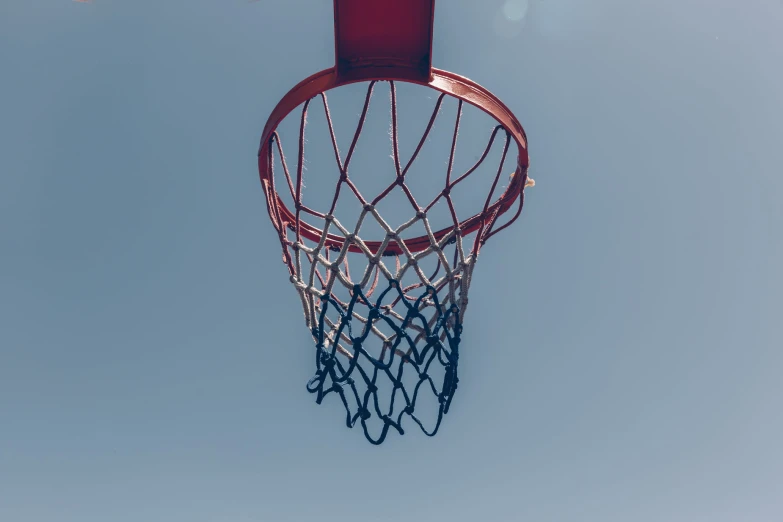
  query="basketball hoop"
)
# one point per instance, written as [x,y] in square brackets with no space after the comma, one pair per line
[418,325]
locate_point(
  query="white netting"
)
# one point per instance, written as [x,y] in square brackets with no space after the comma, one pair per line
[311,287]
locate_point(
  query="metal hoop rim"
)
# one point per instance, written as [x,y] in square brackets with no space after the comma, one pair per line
[444,81]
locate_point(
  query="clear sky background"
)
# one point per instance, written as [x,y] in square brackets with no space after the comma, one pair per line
[622,354]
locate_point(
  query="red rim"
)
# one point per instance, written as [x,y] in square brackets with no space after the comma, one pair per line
[443,81]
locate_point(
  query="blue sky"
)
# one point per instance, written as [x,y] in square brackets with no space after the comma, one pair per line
[622,352]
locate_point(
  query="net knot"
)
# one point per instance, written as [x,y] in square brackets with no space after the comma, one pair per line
[327,360]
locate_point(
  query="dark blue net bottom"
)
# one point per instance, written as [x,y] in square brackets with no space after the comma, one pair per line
[430,352]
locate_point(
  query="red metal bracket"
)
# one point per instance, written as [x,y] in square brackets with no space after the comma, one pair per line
[371,36]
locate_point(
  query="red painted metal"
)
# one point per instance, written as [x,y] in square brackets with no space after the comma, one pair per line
[383,34]
[368,48]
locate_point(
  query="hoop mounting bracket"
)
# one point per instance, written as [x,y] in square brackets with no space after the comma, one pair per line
[373,35]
